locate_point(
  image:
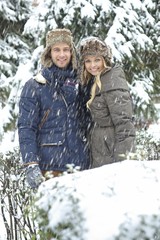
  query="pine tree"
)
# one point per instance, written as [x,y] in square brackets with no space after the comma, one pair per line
[13,51]
[133,36]
[131,30]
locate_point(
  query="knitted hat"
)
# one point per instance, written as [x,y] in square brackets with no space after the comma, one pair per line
[58,36]
[95,47]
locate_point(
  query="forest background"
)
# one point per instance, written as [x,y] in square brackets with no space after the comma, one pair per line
[131,29]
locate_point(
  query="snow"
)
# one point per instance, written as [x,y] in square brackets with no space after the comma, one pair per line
[116,201]
[114,197]
[111,198]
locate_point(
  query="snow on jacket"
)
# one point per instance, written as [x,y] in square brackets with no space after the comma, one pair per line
[113,133]
[48,122]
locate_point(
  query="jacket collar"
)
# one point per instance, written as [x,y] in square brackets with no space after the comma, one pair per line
[55,73]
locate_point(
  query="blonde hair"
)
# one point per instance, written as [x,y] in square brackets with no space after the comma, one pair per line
[97,82]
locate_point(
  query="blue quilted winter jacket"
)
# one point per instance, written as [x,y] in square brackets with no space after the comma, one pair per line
[49,122]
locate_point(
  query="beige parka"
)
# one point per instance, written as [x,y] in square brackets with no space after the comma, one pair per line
[113,133]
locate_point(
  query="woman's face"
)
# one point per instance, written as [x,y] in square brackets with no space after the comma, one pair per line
[94,64]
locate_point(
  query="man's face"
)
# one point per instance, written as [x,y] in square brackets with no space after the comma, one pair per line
[61,54]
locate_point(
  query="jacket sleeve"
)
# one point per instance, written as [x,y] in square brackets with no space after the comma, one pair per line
[28,123]
[120,108]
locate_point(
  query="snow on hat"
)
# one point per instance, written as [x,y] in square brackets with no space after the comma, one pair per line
[95,47]
[57,36]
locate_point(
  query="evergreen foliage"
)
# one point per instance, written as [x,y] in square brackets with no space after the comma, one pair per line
[14,50]
[131,30]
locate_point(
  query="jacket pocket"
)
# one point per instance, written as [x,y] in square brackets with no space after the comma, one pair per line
[52,144]
[52,139]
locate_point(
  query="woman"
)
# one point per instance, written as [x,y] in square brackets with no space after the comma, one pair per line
[109,102]
[48,124]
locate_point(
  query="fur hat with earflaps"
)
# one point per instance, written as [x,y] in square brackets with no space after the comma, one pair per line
[57,36]
[95,47]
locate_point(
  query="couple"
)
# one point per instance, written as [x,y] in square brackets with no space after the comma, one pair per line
[65,121]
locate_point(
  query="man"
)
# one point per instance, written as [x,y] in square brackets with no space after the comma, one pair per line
[48,124]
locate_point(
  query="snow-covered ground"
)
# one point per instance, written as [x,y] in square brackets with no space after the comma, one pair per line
[116,201]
